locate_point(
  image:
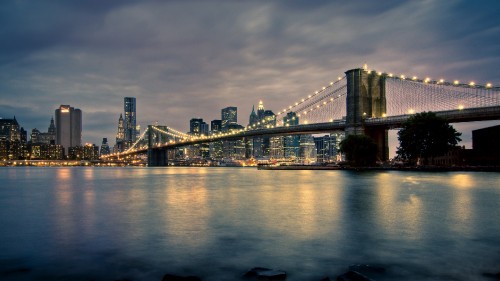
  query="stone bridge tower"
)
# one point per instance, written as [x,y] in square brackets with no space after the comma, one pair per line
[366,99]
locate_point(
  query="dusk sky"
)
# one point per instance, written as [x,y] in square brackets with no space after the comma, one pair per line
[186,59]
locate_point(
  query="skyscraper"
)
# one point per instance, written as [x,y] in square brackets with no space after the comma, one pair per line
[291,143]
[130,120]
[68,126]
[104,147]
[229,115]
[195,126]
[120,136]
[216,126]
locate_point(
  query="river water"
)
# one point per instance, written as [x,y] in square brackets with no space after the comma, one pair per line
[217,223]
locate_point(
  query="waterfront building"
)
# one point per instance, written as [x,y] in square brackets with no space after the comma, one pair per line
[327,147]
[87,152]
[229,116]
[307,152]
[129,122]
[276,147]
[43,151]
[91,152]
[68,127]
[13,140]
[10,129]
[485,146]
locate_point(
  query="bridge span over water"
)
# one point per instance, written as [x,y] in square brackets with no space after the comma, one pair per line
[362,102]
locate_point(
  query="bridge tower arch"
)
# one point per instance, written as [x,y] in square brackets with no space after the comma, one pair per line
[366,98]
[156,156]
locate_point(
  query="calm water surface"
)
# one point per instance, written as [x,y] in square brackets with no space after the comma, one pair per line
[216,223]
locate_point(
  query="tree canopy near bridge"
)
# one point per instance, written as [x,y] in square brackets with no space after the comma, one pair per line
[426,135]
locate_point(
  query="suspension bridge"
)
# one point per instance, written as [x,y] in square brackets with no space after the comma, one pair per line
[363,101]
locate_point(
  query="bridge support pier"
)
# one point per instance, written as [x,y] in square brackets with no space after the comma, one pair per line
[366,99]
[157,157]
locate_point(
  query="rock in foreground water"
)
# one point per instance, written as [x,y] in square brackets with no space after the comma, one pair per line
[171,277]
[266,273]
[353,276]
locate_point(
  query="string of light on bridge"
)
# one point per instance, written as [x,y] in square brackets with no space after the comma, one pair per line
[429,80]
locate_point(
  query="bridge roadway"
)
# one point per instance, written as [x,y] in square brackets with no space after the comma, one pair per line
[390,122]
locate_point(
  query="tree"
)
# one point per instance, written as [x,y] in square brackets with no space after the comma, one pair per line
[360,150]
[426,135]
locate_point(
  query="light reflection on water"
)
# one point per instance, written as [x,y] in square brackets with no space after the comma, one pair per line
[140,223]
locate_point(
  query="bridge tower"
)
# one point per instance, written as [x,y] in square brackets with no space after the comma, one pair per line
[157,156]
[366,99]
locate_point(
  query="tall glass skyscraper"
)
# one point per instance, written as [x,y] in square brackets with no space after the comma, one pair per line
[130,120]
[68,127]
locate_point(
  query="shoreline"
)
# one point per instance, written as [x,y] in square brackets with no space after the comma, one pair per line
[416,169]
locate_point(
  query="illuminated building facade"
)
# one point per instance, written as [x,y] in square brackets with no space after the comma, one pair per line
[229,116]
[120,136]
[198,127]
[307,150]
[130,120]
[259,147]
[327,147]
[68,126]
[215,147]
[12,140]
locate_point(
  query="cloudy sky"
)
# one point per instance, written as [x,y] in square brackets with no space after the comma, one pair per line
[186,58]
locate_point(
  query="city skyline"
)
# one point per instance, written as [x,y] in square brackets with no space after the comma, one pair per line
[178,68]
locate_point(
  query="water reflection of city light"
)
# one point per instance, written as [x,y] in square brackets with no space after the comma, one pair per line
[462,181]
[400,211]
[186,215]
[462,205]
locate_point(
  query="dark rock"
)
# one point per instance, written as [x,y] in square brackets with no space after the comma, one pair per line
[266,273]
[353,276]
[366,269]
[325,279]
[492,275]
[171,277]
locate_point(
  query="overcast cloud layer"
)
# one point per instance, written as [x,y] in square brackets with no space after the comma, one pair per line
[185,59]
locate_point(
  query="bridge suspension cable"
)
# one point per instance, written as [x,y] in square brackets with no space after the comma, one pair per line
[408,96]
[324,105]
